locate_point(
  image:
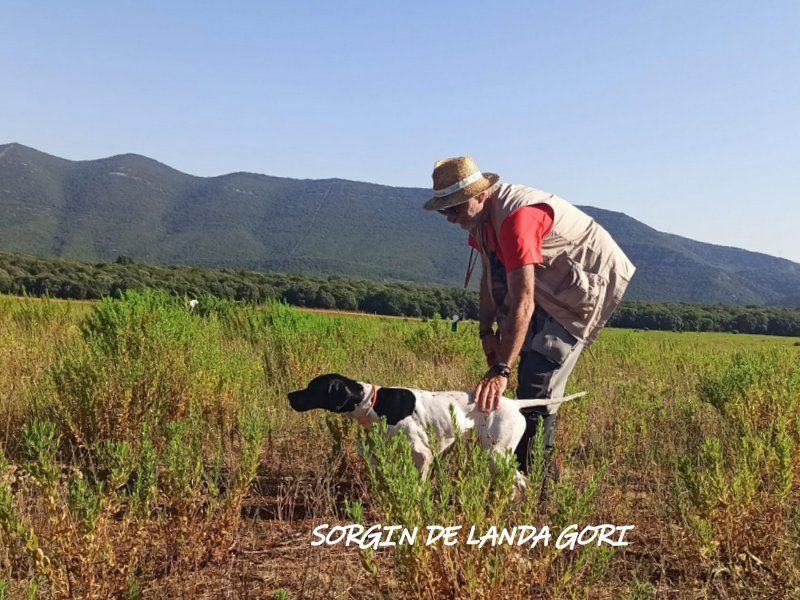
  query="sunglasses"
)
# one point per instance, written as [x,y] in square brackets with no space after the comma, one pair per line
[450,210]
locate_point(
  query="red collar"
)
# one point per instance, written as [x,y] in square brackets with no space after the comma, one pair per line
[365,419]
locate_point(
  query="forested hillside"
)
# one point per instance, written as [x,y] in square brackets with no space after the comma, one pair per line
[132,205]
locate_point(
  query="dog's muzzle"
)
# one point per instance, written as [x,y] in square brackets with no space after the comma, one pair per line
[299,401]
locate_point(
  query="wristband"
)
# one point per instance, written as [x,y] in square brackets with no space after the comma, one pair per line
[499,369]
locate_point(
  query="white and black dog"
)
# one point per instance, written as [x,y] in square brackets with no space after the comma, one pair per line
[414,411]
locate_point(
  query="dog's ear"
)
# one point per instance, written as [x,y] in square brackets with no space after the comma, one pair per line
[338,390]
[344,394]
[339,384]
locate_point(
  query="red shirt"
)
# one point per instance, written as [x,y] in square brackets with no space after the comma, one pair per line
[521,236]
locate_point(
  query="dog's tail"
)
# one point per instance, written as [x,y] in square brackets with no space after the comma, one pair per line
[546,401]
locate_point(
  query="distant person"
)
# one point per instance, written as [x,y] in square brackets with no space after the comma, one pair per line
[551,279]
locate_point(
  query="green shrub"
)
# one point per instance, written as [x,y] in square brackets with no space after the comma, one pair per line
[146,360]
[468,488]
[735,379]
[85,502]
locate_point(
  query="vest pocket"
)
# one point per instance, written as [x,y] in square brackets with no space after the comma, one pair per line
[580,291]
[550,339]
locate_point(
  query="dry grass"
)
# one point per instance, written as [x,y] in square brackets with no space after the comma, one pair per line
[148,451]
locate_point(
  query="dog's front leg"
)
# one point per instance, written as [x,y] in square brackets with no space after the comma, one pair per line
[521,485]
[422,460]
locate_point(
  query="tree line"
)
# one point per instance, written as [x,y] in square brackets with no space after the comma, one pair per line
[72,279]
[677,316]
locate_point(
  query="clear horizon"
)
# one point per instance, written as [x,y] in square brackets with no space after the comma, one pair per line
[684,117]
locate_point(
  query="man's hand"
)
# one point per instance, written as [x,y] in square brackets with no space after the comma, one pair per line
[489,391]
[490,344]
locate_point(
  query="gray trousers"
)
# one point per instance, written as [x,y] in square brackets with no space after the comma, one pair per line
[548,357]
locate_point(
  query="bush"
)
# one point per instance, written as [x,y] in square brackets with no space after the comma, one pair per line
[466,488]
[144,360]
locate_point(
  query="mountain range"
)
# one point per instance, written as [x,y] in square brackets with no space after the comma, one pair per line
[135,206]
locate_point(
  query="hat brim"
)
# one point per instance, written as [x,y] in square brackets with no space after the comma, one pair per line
[464,195]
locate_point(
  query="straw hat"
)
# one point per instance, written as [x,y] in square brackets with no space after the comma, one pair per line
[456,180]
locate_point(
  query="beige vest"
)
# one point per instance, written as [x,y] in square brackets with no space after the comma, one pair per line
[583,274]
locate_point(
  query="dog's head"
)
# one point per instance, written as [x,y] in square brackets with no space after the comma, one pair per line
[332,392]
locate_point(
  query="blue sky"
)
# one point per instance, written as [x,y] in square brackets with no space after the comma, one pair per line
[685,115]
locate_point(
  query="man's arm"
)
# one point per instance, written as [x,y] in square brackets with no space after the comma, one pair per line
[487,314]
[487,311]
[521,285]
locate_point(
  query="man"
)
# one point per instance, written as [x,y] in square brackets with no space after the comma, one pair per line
[551,279]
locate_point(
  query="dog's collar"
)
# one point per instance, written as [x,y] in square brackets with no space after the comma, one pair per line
[365,413]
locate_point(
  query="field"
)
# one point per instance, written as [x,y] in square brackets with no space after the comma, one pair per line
[148,450]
